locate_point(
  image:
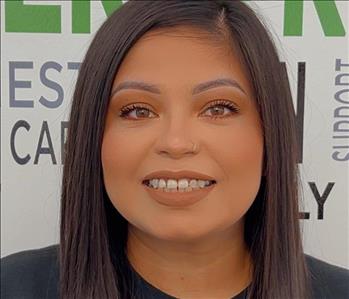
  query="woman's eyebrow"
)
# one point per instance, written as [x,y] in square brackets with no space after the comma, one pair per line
[197,89]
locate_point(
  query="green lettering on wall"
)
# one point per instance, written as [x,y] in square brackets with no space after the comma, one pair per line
[109,6]
[81,16]
[20,17]
[327,12]
[81,13]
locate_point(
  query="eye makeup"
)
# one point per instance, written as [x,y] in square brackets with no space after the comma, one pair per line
[224,104]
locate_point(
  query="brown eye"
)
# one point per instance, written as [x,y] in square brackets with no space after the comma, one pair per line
[136,112]
[218,109]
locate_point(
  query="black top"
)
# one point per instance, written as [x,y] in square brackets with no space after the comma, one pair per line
[34,274]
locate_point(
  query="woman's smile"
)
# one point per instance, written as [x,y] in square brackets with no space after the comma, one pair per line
[179,198]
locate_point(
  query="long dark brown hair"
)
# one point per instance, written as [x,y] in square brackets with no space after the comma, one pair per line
[93,235]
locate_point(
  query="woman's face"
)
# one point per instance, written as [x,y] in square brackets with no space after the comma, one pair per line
[160,135]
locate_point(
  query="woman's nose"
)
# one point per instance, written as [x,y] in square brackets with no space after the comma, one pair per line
[177,139]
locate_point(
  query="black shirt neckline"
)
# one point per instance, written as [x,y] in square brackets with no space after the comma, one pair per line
[150,291]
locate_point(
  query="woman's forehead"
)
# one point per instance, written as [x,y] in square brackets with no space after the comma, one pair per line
[180,58]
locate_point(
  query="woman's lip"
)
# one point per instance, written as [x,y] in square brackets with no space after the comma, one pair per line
[179,199]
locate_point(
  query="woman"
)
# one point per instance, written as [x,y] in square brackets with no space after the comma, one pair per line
[180,178]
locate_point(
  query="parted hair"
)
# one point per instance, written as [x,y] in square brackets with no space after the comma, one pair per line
[93,234]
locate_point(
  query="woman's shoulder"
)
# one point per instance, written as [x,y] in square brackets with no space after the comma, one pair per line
[34,274]
[30,273]
[328,280]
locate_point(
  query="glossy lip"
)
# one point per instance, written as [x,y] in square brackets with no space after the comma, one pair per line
[178,199]
[167,174]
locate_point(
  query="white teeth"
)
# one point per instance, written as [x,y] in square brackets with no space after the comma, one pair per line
[202,183]
[162,183]
[171,184]
[154,183]
[193,183]
[181,185]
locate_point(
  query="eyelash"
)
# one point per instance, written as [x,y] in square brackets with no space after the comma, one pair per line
[226,104]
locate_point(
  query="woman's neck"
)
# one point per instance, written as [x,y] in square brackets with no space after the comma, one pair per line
[218,266]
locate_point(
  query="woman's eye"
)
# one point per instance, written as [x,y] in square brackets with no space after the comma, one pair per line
[135,112]
[217,110]
[219,107]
